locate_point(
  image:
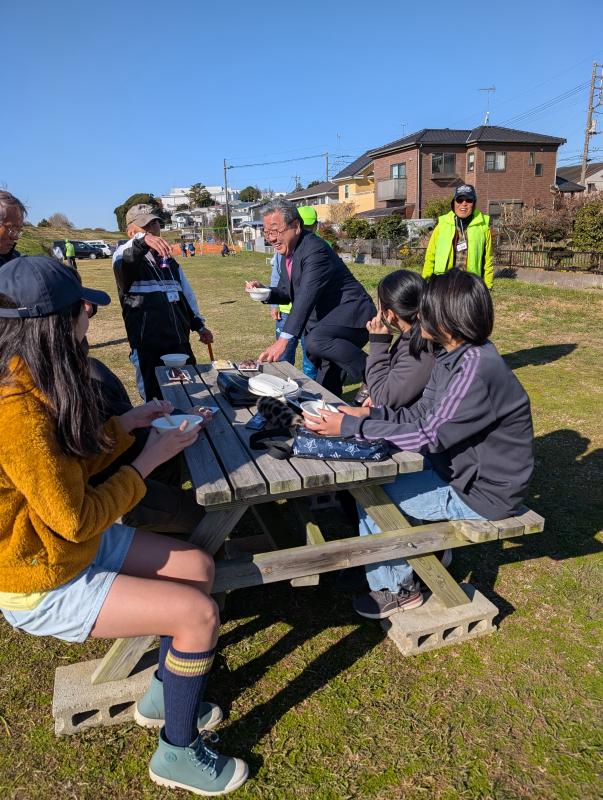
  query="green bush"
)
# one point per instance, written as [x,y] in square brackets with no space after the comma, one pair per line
[358,229]
[437,207]
[588,227]
[392,228]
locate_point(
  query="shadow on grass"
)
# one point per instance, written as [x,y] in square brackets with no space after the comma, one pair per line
[537,356]
[566,491]
[308,613]
[98,345]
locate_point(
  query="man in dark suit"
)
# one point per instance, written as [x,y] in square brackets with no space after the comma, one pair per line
[330,307]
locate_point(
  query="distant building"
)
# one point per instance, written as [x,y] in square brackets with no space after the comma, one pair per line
[179,196]
[594,176]
[356,184]
[320,197]
[508,167]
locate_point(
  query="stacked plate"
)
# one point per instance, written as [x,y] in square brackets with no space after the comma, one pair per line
[271,386]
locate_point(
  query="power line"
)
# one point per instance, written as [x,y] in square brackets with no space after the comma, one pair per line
[282,161]
[547,104]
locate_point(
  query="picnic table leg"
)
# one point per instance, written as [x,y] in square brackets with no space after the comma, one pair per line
[388,517]
[124,654]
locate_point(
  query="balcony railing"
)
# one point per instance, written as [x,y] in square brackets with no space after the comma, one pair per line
[393,189]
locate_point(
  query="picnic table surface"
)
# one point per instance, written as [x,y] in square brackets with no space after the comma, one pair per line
[225,470]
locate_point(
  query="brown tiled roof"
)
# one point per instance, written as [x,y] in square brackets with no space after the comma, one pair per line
[574,172]
[326,187]
[354,168]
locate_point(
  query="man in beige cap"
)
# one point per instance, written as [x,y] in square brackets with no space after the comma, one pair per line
[158,305]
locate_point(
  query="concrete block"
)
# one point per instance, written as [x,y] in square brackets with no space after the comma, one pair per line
[77,704]
[432,625]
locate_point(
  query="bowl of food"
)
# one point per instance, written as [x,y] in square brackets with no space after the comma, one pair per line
[259,293]
[248,365]
[314,408]
[174,359]
[170,423]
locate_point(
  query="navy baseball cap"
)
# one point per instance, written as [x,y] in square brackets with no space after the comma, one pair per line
[465,190]
[41,286]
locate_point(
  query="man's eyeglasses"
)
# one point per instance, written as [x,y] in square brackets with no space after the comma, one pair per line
[11,230]
[275,231]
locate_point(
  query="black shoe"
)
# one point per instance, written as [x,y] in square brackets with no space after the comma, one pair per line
[361,395]
[382,604]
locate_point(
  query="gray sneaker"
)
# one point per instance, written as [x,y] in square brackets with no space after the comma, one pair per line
[149,711]
[196,768]
[383,603]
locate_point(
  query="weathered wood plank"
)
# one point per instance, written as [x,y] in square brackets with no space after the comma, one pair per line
[239,467]
[476,530]
[312,534]
[297,562]
[532,522]
[215,527]
[508,527]
[121,658]
[211,485]
[388,517]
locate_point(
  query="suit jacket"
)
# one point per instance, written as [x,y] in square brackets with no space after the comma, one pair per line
[321,285]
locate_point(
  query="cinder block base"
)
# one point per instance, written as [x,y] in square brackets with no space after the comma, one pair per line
[432,625]
[326,500]
[77,704]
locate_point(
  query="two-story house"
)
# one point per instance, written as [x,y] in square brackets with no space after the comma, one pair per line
[320,196]
[356,184]
[506,166]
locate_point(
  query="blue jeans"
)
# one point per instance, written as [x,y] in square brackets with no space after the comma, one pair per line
[425,496]
[289,355]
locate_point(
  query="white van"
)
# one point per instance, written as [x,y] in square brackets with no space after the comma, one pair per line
[100,244]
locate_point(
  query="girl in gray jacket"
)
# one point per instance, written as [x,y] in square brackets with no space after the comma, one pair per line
[473,424]
[396,374]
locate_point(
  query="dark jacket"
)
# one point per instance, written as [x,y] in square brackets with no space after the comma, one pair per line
[475,424]
[4,259]
[152,321]
[320,283]
[394,377]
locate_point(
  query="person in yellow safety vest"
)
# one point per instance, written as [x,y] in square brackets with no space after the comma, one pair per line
[462,239]
[70,253]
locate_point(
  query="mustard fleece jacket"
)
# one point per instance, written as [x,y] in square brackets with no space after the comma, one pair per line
[51,520]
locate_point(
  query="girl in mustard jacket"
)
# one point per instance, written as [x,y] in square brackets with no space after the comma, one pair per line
[66,568]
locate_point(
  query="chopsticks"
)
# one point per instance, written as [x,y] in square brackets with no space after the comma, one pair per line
[167,417]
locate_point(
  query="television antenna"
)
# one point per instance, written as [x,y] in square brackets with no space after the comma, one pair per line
[490,90]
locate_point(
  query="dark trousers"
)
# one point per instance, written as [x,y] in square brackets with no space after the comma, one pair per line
[148,360]
[337,351]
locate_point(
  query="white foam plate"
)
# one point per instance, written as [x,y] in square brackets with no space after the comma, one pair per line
[271,386]
[225,365]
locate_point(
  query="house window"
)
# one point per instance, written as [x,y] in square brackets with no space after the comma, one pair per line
[397,170]
[531,158]
[591,187]
[443,165]
[346,191]
[495,162]
[538,170]
[470,162]
[506,209]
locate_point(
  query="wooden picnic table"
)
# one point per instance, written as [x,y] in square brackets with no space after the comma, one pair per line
[229,478]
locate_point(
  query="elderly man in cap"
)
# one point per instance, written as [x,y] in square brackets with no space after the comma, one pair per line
[461,239]
[330,307]
[12,216]
[158,305]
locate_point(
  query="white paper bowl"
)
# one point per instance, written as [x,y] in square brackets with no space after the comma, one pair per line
[162,425]
[259,294]
[174,359]
[313,408]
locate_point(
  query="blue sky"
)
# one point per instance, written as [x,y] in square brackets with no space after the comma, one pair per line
[104,99]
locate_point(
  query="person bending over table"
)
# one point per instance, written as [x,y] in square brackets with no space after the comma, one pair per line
[67,568]
[473,424]
[330,307]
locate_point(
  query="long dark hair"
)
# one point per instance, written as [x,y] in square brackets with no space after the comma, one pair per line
[59,368]
[459,304]
[401,292]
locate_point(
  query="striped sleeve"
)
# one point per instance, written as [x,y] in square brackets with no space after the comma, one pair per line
[460,413]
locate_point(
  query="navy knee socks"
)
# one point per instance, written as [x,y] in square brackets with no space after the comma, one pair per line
[184,678]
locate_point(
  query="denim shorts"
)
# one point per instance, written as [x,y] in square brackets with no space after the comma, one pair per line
[70,611]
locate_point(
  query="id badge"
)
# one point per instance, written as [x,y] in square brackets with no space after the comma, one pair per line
[462,245]
[172,297]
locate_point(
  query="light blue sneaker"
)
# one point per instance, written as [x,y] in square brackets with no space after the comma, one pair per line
[150,709]
[196,768]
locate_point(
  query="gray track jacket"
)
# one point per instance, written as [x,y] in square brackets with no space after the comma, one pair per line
[475,424]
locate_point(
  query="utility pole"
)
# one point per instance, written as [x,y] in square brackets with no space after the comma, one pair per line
[327,166]
[228,234]
[591,127]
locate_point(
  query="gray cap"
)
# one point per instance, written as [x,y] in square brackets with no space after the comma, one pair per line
[141,214]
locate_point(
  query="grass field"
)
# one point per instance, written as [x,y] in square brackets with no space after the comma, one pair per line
[317,700]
